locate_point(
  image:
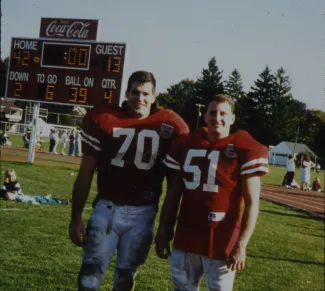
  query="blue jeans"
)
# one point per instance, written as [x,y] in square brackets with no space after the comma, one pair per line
[127,229]
[46,200]
[77,149]
[40,199]
[71,148]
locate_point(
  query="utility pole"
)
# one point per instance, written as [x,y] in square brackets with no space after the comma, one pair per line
[198,113]
[294,148]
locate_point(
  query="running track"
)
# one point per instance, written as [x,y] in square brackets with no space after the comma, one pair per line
[308,201]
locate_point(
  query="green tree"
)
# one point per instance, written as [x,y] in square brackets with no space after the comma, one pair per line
[282,119]
[234,86]
[210,82]
[257,107]
[181,97]
[312,129]
[178,95]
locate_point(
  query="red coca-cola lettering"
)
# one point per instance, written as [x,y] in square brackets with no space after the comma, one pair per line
[77,29]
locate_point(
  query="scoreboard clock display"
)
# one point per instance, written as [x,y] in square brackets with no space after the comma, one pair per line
[65,72]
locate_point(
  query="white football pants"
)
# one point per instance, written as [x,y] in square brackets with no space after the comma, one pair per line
[188,269]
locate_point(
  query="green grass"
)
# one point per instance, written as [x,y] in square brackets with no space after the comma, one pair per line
[286,251]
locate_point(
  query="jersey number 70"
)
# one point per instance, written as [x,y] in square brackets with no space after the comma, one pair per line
[138,160]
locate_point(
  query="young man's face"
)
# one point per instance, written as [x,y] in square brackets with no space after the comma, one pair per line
[219,118]
[140,97]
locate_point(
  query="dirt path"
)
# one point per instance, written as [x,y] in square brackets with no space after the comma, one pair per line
[43,158]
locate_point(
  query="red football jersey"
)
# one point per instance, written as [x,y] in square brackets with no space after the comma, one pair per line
[129,152]
[212,198]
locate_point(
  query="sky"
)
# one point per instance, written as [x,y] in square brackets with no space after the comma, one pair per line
[175,39]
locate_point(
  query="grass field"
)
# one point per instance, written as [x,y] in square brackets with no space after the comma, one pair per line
[286,251]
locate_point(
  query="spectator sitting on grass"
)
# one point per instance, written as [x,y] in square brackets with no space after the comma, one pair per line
[4,139]
[11,184]
[11,191]
[317,186]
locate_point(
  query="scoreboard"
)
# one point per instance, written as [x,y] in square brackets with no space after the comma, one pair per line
[65,72]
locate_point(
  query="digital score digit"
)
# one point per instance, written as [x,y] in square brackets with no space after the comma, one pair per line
[21,57]
[78,95]
[49,92]
[65,55]
[108,94]
[18,88]
[113,64]
[83,95]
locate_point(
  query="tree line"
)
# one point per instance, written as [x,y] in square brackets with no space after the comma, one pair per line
[268,110]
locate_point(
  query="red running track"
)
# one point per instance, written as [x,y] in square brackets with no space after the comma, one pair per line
[308,201]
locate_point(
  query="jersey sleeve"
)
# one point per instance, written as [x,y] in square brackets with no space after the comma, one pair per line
[254,156]
[174,155]
[90,136]
[181,128]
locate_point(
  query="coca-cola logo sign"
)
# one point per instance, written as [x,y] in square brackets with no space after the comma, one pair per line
[83,29]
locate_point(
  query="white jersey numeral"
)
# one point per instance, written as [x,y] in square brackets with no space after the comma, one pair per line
[211,185]
[117,132]
[129,133]
[140,148]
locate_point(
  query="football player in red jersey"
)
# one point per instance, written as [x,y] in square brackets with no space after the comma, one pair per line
[126,146]
[215,172]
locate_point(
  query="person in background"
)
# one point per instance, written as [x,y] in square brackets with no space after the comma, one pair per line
[317,168]
[291,167]
[78,144]
[307,164]
[26,137]
[4,139]
[71,142]
[317,186]
[38,143]
[53,141]
[56,139]
[11,191]
[11,184]
[63,141]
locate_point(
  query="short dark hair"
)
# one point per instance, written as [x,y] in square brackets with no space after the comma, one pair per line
[290,157]
[221,98]
[141,77]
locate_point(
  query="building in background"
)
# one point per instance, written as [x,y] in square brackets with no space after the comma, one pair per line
[278,155]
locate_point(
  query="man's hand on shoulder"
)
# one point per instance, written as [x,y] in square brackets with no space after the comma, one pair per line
[77,231]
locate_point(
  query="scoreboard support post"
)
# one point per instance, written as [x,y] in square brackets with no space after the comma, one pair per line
[32,142]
